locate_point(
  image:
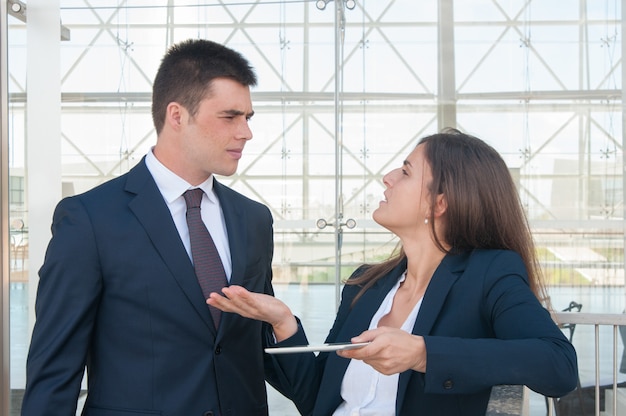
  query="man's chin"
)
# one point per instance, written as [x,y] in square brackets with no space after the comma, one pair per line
[226,172]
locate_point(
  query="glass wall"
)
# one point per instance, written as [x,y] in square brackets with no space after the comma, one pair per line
[343,96]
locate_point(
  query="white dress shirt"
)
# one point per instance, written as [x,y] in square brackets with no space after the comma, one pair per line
[172,188]
[365,391]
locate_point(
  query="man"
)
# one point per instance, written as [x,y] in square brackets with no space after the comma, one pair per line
[118,293]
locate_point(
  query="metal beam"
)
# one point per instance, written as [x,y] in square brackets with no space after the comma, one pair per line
[18,9]
[446,84]
[5,385]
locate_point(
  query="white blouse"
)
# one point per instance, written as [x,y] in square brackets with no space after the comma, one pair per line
[365,391]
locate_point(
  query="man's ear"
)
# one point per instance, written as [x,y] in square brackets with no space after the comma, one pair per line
[174,115]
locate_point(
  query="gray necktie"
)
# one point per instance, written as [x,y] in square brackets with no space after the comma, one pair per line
[206,259]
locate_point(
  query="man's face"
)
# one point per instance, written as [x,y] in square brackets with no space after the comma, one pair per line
[213,139]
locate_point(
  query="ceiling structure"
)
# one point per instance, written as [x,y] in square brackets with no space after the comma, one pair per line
[345,92]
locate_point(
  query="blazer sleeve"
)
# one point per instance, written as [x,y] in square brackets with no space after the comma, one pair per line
[522,344]
[67,297]
[294,375]
[298,376]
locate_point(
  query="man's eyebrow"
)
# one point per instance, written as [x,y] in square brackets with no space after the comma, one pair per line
[407,163]
[238,113]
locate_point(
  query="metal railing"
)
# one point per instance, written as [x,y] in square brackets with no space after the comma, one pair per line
[597,320]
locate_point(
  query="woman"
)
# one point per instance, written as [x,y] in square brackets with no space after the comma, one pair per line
[456,311]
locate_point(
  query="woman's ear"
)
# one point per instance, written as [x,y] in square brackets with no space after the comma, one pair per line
[441,205]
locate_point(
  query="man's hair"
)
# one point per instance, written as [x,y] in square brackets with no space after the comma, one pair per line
[186,73]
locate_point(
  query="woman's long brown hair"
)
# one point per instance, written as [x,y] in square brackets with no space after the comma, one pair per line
[483,207]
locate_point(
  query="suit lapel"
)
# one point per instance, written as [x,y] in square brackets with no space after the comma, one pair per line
[442,281]
[234,216]
[151,211]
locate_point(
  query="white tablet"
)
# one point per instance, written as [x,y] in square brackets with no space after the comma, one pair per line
[313,348]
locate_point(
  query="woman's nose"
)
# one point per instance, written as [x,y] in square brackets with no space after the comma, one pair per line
[388,178]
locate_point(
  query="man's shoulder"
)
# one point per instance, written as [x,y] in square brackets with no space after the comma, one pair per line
[115,186]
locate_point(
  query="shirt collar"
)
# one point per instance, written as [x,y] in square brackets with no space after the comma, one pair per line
[171,185]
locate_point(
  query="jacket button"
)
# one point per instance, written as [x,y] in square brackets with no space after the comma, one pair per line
[218,349]
[208,413]
[448,384]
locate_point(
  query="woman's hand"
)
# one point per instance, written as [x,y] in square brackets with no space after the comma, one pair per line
[391,350]
[257,306]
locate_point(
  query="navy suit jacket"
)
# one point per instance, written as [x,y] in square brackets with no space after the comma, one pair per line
[482,327]
[118,294]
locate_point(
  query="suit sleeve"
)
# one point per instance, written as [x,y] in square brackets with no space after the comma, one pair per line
[67,298]
[298,376]
[526,346]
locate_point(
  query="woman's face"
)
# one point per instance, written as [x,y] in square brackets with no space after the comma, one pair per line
[406,206]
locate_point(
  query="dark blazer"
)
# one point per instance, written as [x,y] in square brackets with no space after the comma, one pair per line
[482,327]
[118,294]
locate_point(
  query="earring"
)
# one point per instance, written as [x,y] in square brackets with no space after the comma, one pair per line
[426,221]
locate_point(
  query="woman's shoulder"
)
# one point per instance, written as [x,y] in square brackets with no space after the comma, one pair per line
[490,255]
[481,258]
[360,270]
[396,270]
[493,265]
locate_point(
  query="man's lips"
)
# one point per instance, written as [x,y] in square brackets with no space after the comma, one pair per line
[235,153]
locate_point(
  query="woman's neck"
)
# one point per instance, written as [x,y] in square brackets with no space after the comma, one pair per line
[422,261]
